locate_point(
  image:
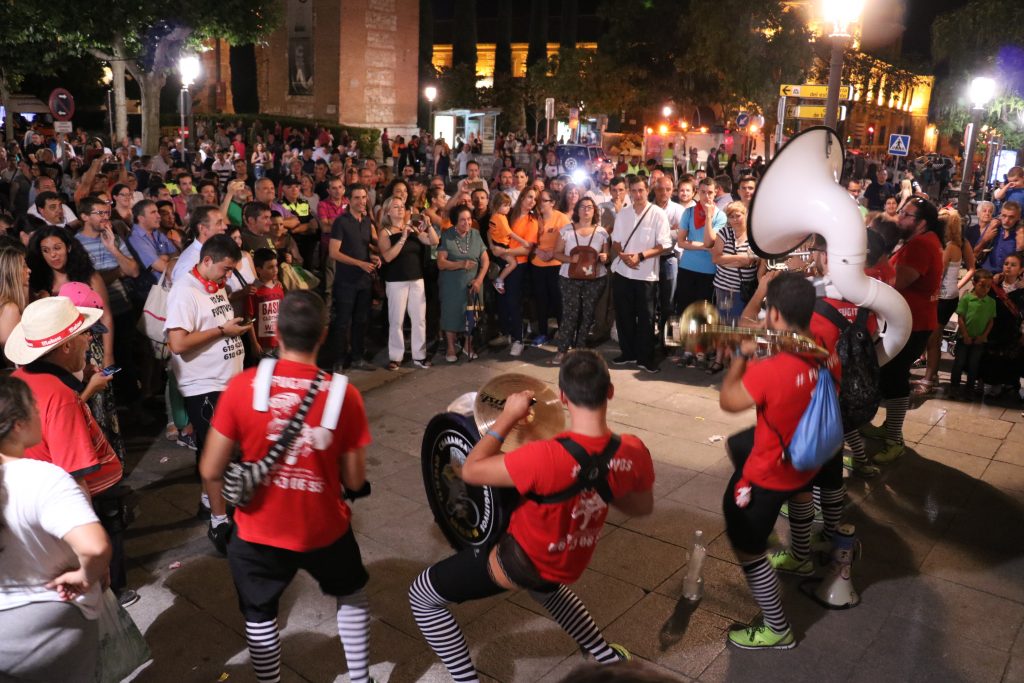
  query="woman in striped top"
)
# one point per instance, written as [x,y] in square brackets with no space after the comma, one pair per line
[734,262]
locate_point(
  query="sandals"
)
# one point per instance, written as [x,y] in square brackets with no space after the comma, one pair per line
[924,387]
[715,368]
[394,365]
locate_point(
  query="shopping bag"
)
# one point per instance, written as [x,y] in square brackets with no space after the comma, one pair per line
[154,314]
[122,649]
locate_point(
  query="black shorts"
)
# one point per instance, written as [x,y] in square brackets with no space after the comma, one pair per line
[947,307]
[467,575]
[263,572]
[748,528]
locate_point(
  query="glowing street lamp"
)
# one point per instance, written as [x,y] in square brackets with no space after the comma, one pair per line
[108,80]
[981,91]
[841,16]
[188,68]
[430,92]
[666,111]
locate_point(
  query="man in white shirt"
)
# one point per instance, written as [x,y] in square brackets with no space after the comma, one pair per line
[603,193]
[663,188]
[45,183]
[206,222]
[641,234]
[204,336]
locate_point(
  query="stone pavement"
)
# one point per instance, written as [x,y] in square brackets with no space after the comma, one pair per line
[942,572]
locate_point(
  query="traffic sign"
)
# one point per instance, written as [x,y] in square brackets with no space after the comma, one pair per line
[742,119]
[62,104]
[549,108]
[62,127]
[814,92]
[899,145]
[812,112]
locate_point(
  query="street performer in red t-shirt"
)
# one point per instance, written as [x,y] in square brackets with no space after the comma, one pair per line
[549,542]
[780,388]
[296,518]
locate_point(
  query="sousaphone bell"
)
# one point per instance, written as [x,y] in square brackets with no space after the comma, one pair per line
[473,516]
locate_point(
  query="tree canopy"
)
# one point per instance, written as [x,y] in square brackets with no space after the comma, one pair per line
[983,38]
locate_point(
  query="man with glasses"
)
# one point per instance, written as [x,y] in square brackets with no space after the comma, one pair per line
[854,188]
[1002,239]
[918,276]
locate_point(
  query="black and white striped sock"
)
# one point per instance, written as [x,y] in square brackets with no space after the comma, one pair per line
[895,414]
[354,631]
[571,614]
[264,649]
[801,517]
[832,503]
[764,585]
[440,629]
[855,440]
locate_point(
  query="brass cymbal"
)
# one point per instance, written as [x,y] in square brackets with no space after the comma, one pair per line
[546,418]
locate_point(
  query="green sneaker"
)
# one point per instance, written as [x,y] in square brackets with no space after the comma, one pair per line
[783,561]
[891,451]
[622,652]
[761,638]
[864,470]
[873,432]
[784,512]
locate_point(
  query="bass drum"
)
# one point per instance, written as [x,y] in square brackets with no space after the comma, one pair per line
[469,516]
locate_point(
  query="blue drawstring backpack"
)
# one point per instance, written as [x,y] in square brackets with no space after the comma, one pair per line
[819,433]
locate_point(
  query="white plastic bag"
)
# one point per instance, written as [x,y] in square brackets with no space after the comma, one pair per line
[154,314]
[122,648]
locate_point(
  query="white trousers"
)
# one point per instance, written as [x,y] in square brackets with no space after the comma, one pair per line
[406,296]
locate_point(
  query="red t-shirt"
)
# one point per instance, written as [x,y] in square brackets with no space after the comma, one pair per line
[883,272]
[781,387]
[923,253]
[560,537]
[263,306]
[72,440]
[301,508]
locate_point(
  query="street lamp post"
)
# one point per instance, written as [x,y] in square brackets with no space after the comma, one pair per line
[188,67]
[981,91]
[841,15]
[108,80]
[430,92]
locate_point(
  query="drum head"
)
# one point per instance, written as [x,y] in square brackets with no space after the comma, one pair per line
[469,516]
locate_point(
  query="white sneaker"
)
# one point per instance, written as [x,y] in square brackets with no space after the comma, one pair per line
[517,348]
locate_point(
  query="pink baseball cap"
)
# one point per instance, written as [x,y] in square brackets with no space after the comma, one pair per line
[81,294]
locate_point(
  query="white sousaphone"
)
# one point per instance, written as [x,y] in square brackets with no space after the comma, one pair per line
[799,194]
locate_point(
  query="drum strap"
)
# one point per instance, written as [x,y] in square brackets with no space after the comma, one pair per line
[593,473]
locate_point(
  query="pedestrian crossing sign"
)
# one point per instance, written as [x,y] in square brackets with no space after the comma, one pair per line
[899,145]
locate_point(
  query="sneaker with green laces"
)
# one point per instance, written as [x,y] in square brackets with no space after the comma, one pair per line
[873,432]
[785,561]
[865,470]
[761,637]
[891,451]
[622,652]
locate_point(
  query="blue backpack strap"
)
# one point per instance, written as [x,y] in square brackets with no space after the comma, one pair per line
[593,472]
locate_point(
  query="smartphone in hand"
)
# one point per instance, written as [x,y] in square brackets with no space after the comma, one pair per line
[110,370]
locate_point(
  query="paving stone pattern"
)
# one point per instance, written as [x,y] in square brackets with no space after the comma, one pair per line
[941,575]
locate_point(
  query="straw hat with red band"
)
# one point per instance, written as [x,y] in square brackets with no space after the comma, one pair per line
[45,325]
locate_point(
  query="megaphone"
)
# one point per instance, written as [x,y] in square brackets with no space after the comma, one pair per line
[799,194]
[836,590]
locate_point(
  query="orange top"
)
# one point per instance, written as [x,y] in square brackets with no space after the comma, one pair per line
[526,227]
[499,231]
[548,237]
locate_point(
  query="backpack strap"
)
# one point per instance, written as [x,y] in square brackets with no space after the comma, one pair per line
[593,472]
[822,307]
[863,313]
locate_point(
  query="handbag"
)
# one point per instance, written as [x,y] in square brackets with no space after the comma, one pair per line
[241,479]
[154,315]
[584,267]
[122,648]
